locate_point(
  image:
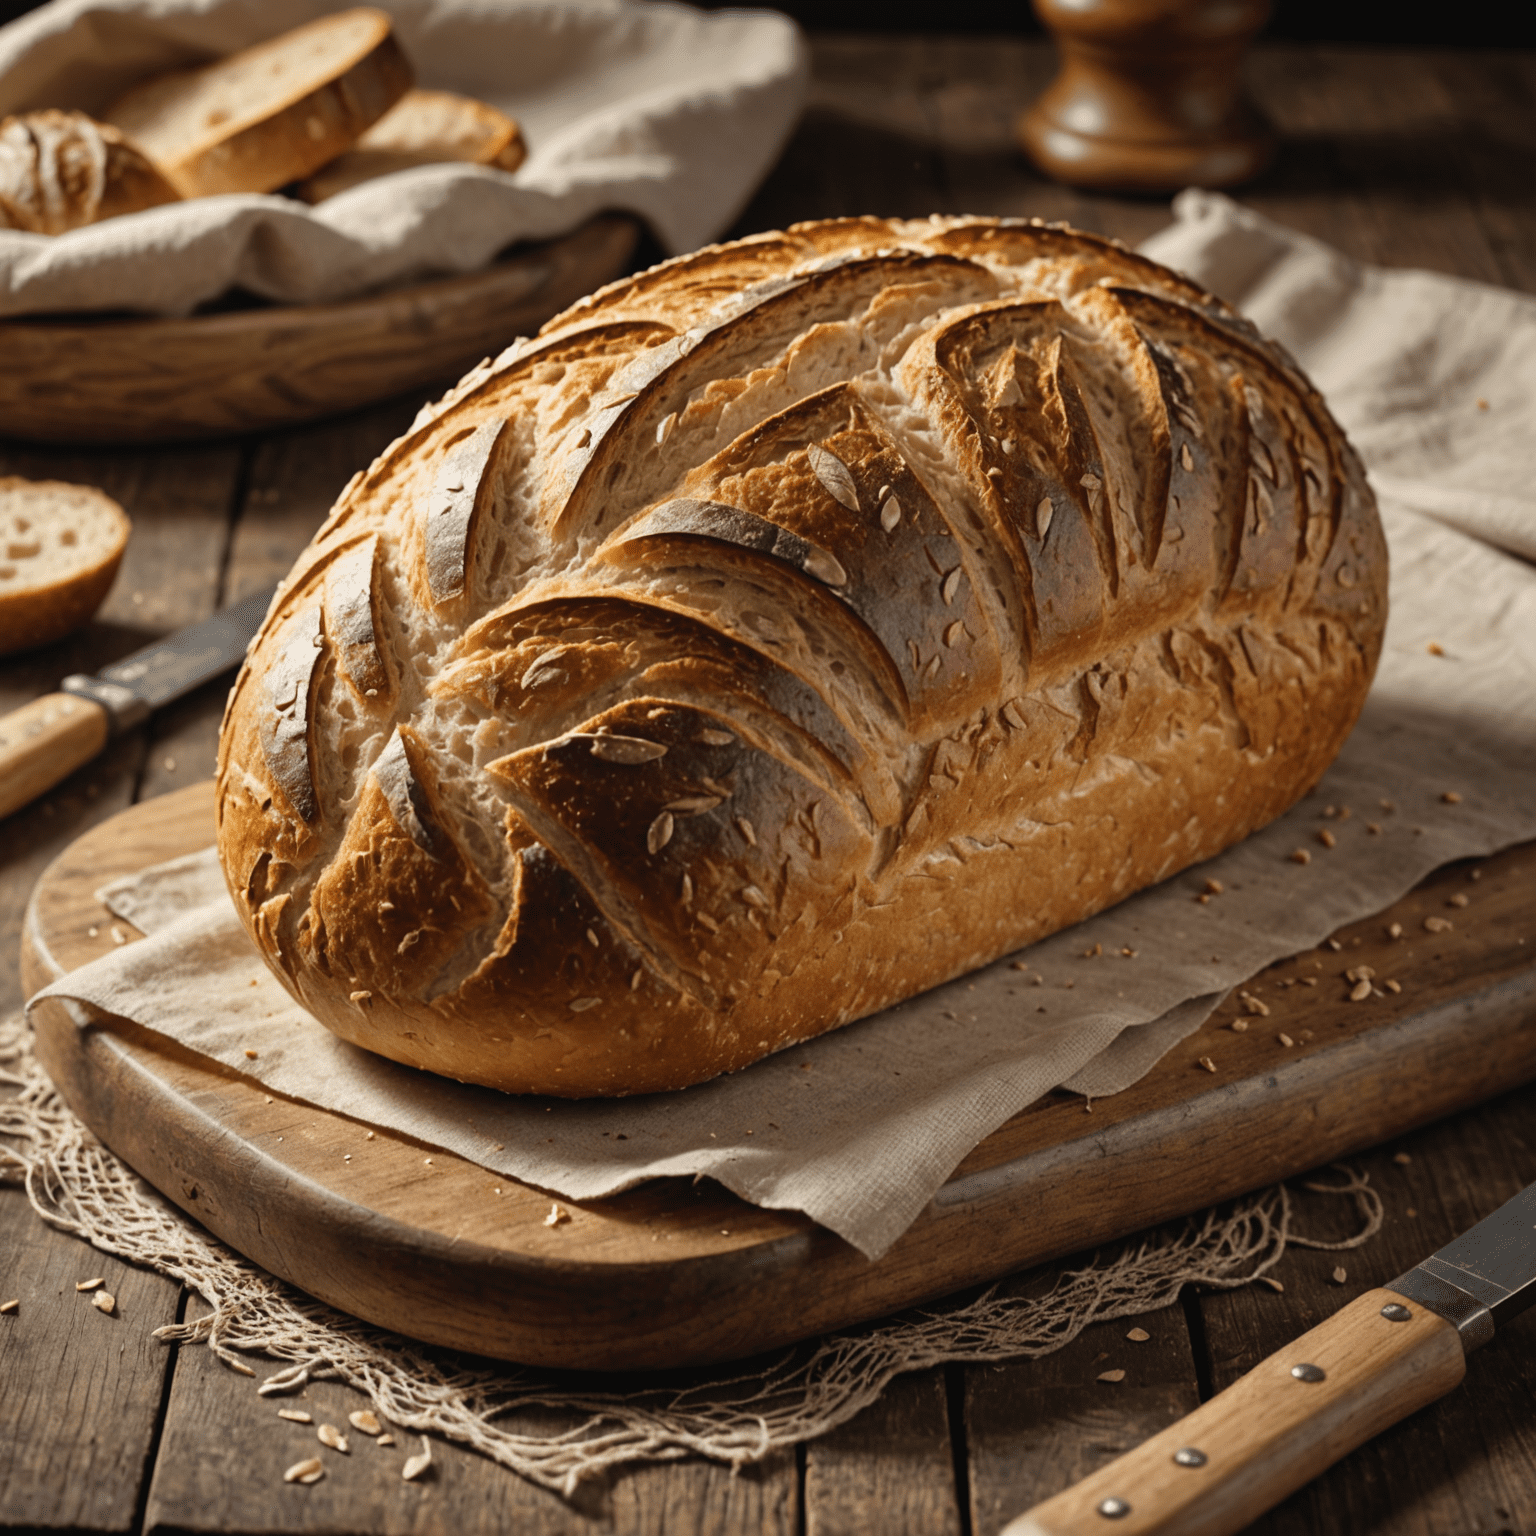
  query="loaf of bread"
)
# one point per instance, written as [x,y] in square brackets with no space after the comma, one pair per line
[781,632]
[60,547]
[271,113]
[422,128]
[60,170]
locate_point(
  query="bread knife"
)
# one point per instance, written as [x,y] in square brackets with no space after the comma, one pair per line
[1385,1355]
[46,740]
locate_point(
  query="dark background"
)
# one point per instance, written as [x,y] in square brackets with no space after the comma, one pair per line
[1333,21]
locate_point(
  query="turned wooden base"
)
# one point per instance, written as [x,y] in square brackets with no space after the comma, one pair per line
[1150,97]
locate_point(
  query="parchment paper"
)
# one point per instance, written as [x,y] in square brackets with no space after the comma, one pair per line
[672,113]
[860,1128]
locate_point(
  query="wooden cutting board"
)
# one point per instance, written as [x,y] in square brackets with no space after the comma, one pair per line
[137,379]
[677,1273]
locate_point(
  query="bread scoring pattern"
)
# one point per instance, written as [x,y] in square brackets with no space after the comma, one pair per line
[785,630]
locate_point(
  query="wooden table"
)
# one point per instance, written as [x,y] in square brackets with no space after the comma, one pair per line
[1422,158]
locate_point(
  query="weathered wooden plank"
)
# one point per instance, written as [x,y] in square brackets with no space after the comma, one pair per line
[81,1390]
[1034,1427]
[1468,1462]
[889,1470]
[224,1450]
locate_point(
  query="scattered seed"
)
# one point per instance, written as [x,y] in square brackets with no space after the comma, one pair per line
[660,833]
[1402,1159]
[1301,856]
[89,1285]
[362,997]
[953,632]
[10,1306]
[835,477]
[250,1055]
[1438,925]
[1207,1063]
[295,1416]
[1214,888]
[1138,1335]
[416,1465]
[366,1420]
[104,1301]
[557,1215]
[1394,930]
[581,1004]
[753,896]
[328,1434]
[951,586]
[745,828]
[890,513]
[118,936]
[1340,1275]
[1088,954]
[1285,1040]
[1458,900]
[1111,1375]
[307,1471]
[1392,986]
[1271,1282]
[1257,1009]
[1450,797]
[664,428]
[1043,514]
[1239,1026]
[386,1439]
[626,749]
[1334,945]
[1327,839]
[92,932]
[715,738]
[1360,991]
[1186,458]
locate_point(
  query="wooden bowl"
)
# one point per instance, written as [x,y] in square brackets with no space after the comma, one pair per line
[152,380]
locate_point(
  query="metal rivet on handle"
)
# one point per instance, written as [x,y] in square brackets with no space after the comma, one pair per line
[1113,1508]
[1309,1373]
[1396,1312]
[1190,1457]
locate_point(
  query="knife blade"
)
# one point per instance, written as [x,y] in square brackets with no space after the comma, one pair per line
[46,740]
[1388,1353]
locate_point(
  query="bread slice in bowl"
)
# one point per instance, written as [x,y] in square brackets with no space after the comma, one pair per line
[423,128]
[271,113]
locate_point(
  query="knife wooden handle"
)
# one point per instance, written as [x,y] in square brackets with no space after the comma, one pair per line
[1269,1432]
[45,741]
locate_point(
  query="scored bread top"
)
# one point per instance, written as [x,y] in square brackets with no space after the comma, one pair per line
[422,128]
[782,631]
[271,113]
[61,170]
[60,546]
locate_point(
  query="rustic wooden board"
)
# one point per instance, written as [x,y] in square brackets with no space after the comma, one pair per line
[676,1273]
[161,380]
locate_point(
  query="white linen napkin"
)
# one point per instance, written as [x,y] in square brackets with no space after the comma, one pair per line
[860,1128]
[653,107]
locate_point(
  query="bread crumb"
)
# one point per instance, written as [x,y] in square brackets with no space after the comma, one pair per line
[1458,900]
[1450,797]
[118,936]
[1435,648]
[1374,828]
[1402,1159]
[1111,1375]
[1238,1026]
[1392,986]
[1360,991]
[12,1305]
[1334,945]
[104,1301]
[1301,856]
[1138,1335]
[295,1416]
[1327,839]
[1214,887]
[89,1285]
[1271,1282]
[1394,930]
[1438,925]
[557,1216]
[250,1055]
[1340,1275]
[1285,1040]
[307,1471]
[1207,1063]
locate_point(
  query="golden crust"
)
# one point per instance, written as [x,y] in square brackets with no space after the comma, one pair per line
[783,631]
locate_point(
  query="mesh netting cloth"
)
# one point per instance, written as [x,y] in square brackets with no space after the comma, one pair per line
[735,1416]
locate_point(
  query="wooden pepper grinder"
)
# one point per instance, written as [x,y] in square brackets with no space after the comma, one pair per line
[1150,95]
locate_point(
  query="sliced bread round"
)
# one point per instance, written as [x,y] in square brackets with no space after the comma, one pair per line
[271,113]
[59,170]
[60,546]
[423,128]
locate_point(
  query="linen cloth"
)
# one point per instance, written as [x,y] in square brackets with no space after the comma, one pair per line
[860,1128]
[643,105]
